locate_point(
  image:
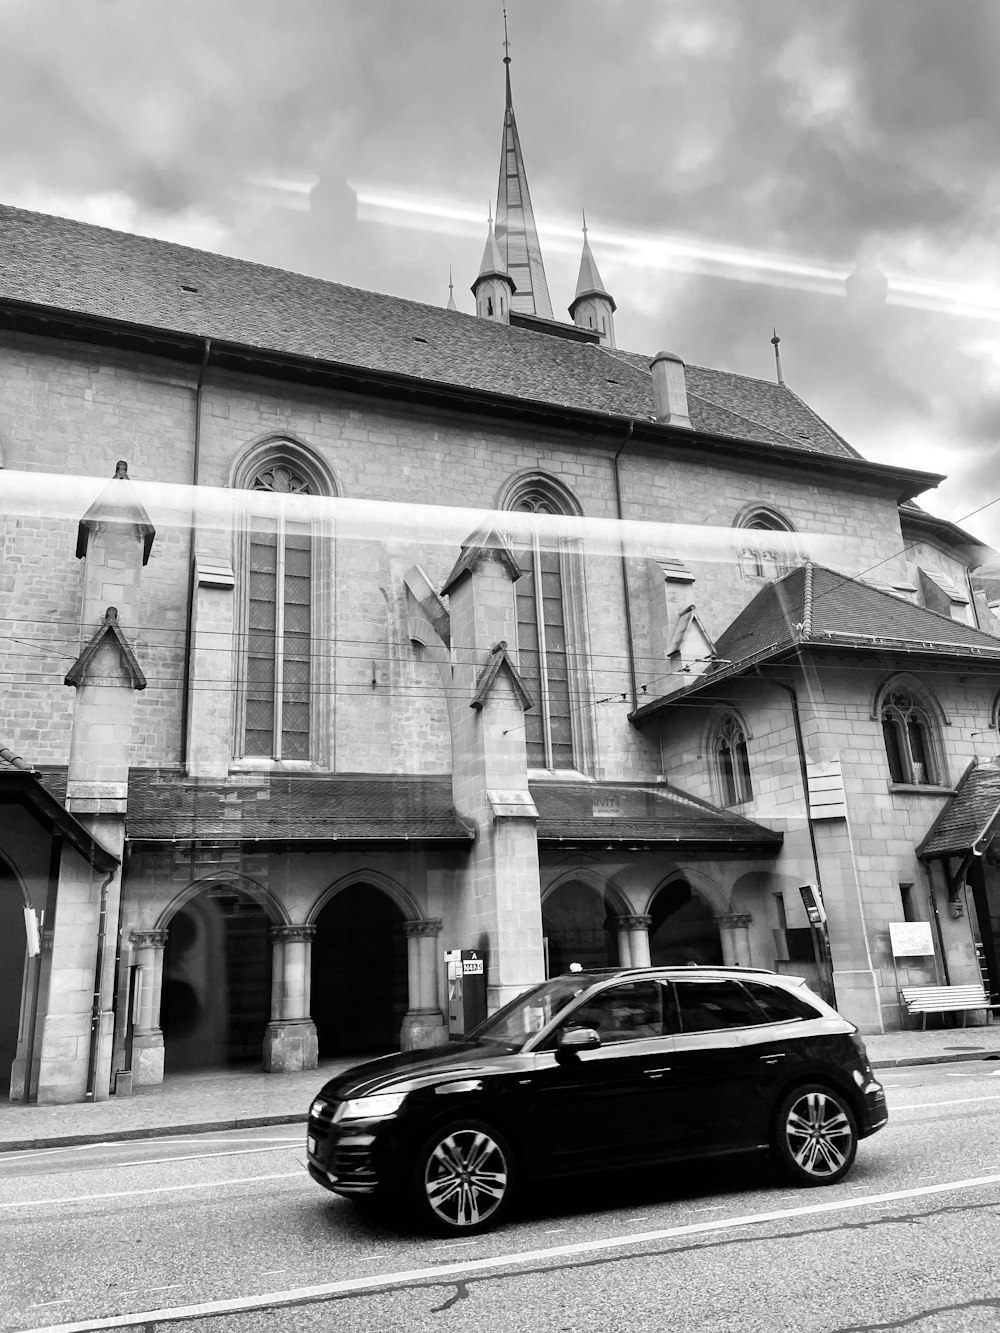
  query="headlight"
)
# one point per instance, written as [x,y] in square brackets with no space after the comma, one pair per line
[380,1107]
[317,1108]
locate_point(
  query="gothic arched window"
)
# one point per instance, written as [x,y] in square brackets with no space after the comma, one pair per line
[280,699]
[732,761]
[549,653]
[758,557]
[909,739]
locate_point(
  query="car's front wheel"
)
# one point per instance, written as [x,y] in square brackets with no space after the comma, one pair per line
[815,1136]
[463,1176]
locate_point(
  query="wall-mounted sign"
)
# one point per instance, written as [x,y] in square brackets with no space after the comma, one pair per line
[910,939]
[812,901]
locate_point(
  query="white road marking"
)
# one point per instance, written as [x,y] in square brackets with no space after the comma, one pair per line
[437,1272]
[63,1300]
[200,1156]
[957,1101]
[157,1189]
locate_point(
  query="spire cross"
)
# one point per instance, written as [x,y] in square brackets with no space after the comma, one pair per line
[584,212]
[506,43]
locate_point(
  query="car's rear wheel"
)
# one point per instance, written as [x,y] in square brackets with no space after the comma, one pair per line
[463,1177]
[815,1135]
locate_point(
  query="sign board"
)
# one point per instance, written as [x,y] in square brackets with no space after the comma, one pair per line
[607,805]
[910,939]
[472,967]
[813,903]
[31,930]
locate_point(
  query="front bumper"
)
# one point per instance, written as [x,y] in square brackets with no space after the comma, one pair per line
[341,1158]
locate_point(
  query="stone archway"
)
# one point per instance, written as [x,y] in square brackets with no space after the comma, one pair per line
[359,972]
[215,1000]
[579,926]
[682,927]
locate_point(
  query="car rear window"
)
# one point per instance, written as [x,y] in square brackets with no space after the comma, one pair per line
[780,1005]
[708,1005]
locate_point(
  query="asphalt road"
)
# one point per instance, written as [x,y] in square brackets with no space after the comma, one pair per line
[226,1233]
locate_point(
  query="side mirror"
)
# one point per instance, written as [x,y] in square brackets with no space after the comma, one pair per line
[579,1039]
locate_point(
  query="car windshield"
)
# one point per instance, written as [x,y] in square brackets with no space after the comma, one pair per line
[512,1025]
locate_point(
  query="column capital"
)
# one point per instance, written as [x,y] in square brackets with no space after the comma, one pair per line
[734,920]
[148,939]
[430,926]
[292,934]
[634,921]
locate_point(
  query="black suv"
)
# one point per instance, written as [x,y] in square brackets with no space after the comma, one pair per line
[596,1071]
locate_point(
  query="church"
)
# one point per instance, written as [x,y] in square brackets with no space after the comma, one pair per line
[344,633]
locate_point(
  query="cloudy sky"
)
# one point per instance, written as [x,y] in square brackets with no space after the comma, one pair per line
[827,167]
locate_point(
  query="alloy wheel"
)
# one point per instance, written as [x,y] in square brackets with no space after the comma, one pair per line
[466,1178]
[820,1135]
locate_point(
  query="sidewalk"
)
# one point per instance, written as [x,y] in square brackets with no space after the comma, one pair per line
[238,1099]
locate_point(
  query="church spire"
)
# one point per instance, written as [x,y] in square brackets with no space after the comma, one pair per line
[592,307]
[494,288]
[516,234]
[451,292]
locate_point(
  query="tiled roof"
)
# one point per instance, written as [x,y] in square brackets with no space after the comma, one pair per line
[814,604]
[614,813]
[968,820]
[816,607]
[164,805]
[91,271]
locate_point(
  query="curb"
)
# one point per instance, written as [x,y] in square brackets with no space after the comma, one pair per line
[967,1057]
[149,1132]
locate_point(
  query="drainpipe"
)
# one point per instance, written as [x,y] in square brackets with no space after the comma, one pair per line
[189,616]
[97,1012]
[628,596]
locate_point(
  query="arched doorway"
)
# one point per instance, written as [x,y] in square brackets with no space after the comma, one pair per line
[359,973]
[578,928]
[216,998]
[12,955]
[682,928]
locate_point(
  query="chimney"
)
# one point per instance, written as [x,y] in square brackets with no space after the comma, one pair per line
[669,392]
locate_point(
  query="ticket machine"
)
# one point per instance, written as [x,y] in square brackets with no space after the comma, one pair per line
[466,990]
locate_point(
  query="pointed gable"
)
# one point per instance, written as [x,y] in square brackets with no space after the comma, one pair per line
[118,505]
[109,630]
[486,544]
[500,660]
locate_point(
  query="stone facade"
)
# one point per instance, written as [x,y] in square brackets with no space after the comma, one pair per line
[206,946]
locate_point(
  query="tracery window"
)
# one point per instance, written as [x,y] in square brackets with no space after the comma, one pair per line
[279,622]
[543,657]
[732,761]
[758,557]
[908,735]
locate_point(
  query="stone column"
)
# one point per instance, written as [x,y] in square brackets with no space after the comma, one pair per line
[424,1023]
[147,1035]
[290,1042]
[734,929]
[624,942]
[636,930]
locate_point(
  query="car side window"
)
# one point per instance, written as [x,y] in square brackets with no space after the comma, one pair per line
[705,1006]
[622,1013]
[780,1005]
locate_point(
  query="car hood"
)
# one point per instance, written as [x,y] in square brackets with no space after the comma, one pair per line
[411,1069]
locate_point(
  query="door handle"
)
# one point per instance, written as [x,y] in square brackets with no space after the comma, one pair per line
[658,1073]
[772,1059]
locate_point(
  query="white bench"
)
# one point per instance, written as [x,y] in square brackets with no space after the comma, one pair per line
[944,999]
